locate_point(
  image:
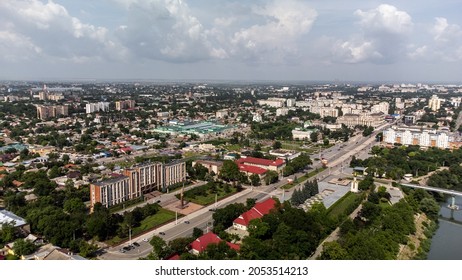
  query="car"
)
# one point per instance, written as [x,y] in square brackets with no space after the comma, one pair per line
[186,222]
[121,250]
[162,233]
[212,209]
[127,248]
[145,240]
[136,244]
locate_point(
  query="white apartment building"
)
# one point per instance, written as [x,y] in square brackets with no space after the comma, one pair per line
[434,103]
[96,107]
[282,112]
[290,102]
[382,107]
[416,136]
[273,102]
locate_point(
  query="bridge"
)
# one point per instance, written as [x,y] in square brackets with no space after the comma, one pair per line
[439,190]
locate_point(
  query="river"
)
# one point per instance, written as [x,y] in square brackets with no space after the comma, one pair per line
[447,241]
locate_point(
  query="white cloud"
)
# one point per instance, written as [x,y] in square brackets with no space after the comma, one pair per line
[284,23]
[444,32]
[49,28]
[385,19]
[382,38]
[164,30]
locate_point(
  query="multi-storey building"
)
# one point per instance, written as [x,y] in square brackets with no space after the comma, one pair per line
[174,173]
[125,105]
[137,181]
[110,192]
[434,103]
[96,107]
[46,112]
[417,136]
[273,102]
[382,107]
[145,178]
[364,119]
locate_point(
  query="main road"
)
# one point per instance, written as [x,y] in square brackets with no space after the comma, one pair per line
[338,156]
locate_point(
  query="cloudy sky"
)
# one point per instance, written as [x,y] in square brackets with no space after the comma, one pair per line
[338,40]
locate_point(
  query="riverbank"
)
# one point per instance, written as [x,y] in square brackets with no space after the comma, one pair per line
[419,243]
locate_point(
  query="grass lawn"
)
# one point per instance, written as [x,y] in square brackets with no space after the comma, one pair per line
[161,217]
[339,207]
[235,147]
[303,178]
[210,198]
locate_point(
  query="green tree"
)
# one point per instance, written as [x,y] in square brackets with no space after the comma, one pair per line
[277,145]
[254,179]
[23,247]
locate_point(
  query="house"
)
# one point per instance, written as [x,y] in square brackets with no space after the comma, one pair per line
[268,164]
[211,165]
[201,243]
[259,210]
[9,217]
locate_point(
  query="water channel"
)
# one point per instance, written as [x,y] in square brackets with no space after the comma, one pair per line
[447,241]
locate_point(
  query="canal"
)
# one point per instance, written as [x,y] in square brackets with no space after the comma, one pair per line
[447,241]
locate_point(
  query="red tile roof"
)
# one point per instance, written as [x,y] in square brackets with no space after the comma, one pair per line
[251,169]
[201,243]
[260,161]
[173,257]
[259,210]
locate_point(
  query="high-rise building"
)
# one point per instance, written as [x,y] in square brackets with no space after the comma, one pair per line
[434,103]
[125,105]
[136,181]
[46,112]
[110,192]
[96,107]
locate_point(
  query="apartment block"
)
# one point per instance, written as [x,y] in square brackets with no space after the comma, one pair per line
[110,192]
[47,112]
[137,181]
[96,107]
[417,136]
[125,105]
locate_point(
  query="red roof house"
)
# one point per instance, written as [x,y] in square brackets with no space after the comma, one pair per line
[201,243]
[259,210]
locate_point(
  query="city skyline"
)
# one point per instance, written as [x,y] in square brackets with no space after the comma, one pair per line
[231,40]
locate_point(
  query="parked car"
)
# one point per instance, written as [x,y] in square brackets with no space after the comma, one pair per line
[136,244]
[162,233]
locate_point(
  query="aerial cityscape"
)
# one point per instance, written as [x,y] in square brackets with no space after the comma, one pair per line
[186,130]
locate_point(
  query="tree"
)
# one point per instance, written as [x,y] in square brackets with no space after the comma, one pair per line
[314,136]
[197,232]
[159,247]
[229,171]
[277,145]
[74,205]
[23,247]
[333,251]
[7,232]
[271,177]
[254,179]
[430,207]
[257,228]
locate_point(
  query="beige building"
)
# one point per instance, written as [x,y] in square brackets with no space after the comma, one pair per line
[110,192]
[46,112]
[364,119]
[125,105]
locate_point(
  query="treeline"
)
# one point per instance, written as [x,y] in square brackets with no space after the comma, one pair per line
[308,190]
[395,162]
[379,229]
[297,164]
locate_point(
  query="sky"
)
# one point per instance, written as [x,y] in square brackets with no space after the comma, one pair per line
[317,40]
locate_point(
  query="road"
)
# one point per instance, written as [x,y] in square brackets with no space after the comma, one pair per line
[203,217]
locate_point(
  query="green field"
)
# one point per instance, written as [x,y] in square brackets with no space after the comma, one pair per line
[204,195]
[151,222]
[344,204]
[303,178]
